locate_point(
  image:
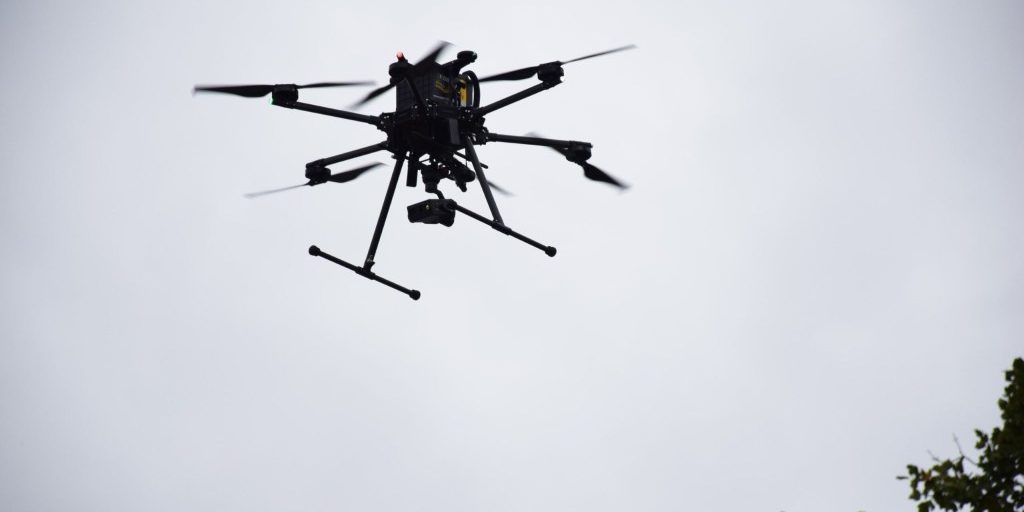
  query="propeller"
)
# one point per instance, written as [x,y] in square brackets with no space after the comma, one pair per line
[423,64]
[257,91]
[590,171]
[524,73]
[499,190]
[340,177]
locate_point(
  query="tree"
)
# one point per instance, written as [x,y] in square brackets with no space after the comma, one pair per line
[993,483]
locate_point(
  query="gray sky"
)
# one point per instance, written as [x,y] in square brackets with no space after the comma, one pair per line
[815,279]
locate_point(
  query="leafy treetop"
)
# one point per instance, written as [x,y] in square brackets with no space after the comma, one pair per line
[993,483]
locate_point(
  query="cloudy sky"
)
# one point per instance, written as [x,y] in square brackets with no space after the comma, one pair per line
[815,279]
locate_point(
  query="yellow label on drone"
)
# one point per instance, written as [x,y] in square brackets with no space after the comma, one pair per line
[442,87]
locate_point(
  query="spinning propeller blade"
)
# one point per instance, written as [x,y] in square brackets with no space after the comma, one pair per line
[519,74]
[590,171]
[524,73]
[423,64]
[256,91]
[606,52]
[499,190]
[374,93]
[431,57]
[593,173]
[340,177]
[273,191]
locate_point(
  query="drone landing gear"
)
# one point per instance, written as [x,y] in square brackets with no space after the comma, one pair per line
[497,224]
[365,269]
[315,251]
[501,228]
[483,182]
[442,211]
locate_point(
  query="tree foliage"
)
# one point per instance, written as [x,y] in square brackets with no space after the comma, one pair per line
[994,482]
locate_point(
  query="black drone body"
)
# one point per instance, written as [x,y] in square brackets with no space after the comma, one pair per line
[437,117]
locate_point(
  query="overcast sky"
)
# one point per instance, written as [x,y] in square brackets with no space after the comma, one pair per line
[815,279]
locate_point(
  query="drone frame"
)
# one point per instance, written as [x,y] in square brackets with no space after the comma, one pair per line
[471,132]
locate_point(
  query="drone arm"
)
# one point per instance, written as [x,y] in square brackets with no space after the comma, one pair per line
[525,93]
[323,162]
[574,151]
[333,112]
[536,141]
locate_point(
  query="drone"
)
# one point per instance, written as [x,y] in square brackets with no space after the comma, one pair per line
[437,116]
